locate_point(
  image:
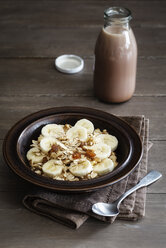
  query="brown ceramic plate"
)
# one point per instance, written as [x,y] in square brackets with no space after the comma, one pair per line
[19,138]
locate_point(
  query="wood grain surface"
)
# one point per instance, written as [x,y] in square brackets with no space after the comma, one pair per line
[33,34]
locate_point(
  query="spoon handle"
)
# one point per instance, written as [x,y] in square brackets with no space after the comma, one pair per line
[150,178]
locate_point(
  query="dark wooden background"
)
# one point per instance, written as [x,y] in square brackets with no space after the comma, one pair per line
[32,35]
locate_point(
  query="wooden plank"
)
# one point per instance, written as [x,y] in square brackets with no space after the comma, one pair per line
[25,77]
[14,108]
[30,15]
[71,27]
[52,42]
[21,228]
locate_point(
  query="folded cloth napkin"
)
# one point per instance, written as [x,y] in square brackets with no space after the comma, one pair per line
[74,209]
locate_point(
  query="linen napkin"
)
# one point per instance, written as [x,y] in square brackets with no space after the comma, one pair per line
[74,209]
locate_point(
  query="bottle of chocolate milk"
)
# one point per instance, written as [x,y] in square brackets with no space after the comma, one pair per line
[115,57]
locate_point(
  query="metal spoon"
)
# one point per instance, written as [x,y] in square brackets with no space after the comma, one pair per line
[112,209]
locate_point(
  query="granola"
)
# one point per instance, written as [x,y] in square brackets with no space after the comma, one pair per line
[73,153]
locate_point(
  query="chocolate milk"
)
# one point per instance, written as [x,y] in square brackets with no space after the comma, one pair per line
[115,64]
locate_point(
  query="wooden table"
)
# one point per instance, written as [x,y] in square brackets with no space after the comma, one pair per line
[32,35]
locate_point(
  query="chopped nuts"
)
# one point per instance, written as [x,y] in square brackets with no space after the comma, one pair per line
[45,160]
[54,148]
[38,172]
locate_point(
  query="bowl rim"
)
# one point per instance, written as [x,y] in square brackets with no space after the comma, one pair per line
[17,129]
[120,166]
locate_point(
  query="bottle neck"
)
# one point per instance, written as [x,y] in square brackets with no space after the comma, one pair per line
[117,17]
[118,25]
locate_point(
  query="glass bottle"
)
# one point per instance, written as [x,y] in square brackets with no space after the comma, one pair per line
[115,57]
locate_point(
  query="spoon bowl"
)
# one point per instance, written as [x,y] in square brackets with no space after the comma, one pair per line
[105,209]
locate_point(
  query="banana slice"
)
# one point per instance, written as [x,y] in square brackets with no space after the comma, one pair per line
[52,130]
[109,140]
[101,150]
[34,155]
[104,167]
[81,169]
[52,168]
[46,143]
[86,124]
[77,132]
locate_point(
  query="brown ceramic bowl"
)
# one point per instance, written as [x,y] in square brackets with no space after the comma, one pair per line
[20,136]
